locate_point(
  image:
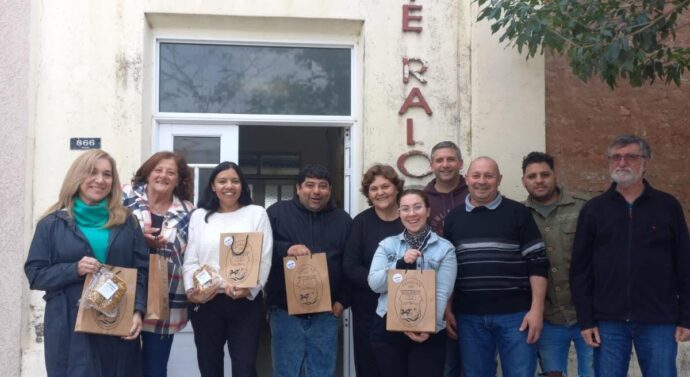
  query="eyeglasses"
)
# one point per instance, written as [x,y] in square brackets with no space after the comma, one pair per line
[405,210]
[626,157]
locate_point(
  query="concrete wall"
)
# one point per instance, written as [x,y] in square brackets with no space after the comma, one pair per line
[94,77]
[15,189]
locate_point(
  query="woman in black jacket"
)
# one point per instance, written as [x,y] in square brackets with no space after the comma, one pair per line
[86,227]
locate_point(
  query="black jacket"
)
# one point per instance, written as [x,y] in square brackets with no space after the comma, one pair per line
[324,231]
[631,262]
[51,266]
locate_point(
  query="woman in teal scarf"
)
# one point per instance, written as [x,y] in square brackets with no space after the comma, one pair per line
[87,227]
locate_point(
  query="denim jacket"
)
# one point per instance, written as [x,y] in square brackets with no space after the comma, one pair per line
[439,255]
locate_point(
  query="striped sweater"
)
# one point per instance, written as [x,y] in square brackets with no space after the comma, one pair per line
[498,247]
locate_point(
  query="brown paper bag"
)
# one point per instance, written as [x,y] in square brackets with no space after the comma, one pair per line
[240,258]
[306,284]
[411,301]
[92,321]
[157,306]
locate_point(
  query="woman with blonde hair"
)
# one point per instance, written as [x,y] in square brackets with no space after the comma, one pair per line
[87,226]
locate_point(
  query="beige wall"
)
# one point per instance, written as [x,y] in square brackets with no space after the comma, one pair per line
[94,77]
[15,187]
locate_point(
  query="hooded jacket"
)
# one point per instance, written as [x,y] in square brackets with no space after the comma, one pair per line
[441,203]
[324,231]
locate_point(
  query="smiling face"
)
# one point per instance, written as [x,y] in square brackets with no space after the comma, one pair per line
[483,179]
[413,213]
[98,184]
[446,165]
[627,164]
[382,193]
[228,187]
[163,178]
[314,193]
[540,182]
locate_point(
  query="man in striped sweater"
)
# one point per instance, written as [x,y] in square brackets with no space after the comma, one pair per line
[499,293]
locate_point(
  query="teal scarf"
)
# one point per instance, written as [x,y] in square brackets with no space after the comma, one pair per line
[90,220]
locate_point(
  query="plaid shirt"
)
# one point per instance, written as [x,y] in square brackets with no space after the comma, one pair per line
[174,229]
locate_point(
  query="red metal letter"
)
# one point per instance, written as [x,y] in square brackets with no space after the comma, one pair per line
[410,136]
[407,17]
[403,158]
[416,73]
[410,102]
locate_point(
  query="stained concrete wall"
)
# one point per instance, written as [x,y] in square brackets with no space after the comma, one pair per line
[15,189]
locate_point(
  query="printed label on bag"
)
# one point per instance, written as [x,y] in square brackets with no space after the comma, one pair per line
[108,289]
[203,277]
[397,278]
[291,265]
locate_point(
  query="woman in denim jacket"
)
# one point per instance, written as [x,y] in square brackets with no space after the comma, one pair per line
[417,247]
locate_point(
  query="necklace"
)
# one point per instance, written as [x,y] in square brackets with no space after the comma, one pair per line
[244,248]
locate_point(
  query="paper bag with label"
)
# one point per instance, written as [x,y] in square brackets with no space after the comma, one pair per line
[240,258]
[306,284]
[92,321]
[411,301]
[157,306]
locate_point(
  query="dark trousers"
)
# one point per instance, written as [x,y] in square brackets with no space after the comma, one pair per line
[365,362]
[237,322]
[399,356]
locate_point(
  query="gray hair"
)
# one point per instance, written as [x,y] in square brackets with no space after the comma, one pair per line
[447,144]
[625,140]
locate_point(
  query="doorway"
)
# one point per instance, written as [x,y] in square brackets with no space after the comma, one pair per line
[270,157]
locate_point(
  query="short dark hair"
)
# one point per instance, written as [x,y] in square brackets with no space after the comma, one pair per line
[185,181]
[209,199]
[625,140]
[415,191]
[536,158]
[446,144]
[381,170]
[313,171]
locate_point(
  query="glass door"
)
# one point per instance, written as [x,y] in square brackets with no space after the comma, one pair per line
[203,147]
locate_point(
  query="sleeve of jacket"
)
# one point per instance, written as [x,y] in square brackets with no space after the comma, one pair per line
[264,226]
[141,263]
[191,254]
[378,273]
[532,246]
[581,269]
[682,250]
[42,272]
[447,272]
[280,245]
[345,294]
[353,267]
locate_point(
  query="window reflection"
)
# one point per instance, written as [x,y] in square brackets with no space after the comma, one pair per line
[207,78]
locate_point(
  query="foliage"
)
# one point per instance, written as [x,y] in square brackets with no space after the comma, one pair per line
[633,40]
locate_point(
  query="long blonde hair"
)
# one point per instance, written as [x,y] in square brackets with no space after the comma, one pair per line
[76,175]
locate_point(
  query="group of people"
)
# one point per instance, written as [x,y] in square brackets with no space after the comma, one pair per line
[515,281]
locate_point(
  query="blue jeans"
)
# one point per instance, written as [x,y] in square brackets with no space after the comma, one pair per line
[155,352]
[554,346]
[308,342]
[480,336]
[655,346]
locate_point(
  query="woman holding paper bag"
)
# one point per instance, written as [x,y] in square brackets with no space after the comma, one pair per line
[417,247]
[235,315]
[87,227]
[159,197]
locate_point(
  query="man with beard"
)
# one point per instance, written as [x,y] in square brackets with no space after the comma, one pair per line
[500,287]
[630,272]
[555,211]
[446,191]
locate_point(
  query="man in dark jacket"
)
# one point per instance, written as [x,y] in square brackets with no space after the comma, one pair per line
[309,223]
[630,272]
[446,191]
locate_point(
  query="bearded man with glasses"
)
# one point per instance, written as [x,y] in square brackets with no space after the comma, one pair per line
[630,270]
